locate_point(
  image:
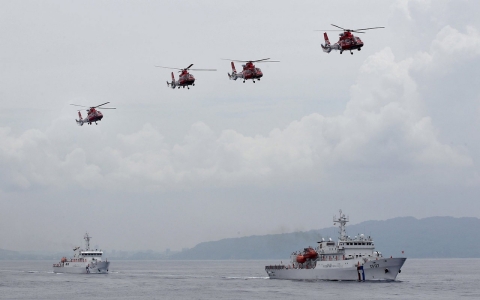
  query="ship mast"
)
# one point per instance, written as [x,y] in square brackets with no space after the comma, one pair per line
[342,221]
[87,241]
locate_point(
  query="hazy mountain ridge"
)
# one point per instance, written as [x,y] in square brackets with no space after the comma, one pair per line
[434,237]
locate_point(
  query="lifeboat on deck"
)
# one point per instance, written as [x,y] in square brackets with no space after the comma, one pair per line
[301,259]
[310,253]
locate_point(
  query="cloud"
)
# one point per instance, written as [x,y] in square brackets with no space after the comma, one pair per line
[384,126]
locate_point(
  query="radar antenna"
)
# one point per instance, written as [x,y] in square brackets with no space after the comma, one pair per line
[342,221]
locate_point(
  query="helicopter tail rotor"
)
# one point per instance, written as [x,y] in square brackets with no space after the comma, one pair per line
[234,75]
[172,84]
[327,48]
[327,41]
[80,119]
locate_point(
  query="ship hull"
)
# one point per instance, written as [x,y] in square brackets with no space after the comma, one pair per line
[382,269]
[81,268]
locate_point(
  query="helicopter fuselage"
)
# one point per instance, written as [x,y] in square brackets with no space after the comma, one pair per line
[249,72]
[186,79]
[348,41]
[92,117]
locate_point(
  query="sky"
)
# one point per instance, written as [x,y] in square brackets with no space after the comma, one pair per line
[387,132]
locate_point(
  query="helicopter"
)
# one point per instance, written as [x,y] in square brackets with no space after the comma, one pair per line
[93,115]
[185,79]
[347,40]
[249,70]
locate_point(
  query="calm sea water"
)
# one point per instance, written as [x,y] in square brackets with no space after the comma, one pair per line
[420,279]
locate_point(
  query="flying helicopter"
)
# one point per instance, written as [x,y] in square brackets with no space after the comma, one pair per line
[347,40]
[249,70]
[93,115]
[185,79]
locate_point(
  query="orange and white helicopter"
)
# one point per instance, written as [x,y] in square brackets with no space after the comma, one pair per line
[249,70]
[347,40]
[185,79]
[93,115]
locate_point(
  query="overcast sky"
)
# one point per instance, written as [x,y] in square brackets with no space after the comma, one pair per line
[392,130]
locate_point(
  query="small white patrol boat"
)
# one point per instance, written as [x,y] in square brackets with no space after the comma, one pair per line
[347,259]
[84,261]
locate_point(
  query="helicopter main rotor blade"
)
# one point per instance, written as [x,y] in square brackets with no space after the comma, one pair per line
[203,69]
[101,104]
[260,60]
[188,67]
[252,61]
[235,60]
[168,68]
[367,28]
[339,27]
[328,30]
[108,108]
[265,60]
[79,105]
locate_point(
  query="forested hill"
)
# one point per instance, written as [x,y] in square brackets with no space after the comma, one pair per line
[435,237]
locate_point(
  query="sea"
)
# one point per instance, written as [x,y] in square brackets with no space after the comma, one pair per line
[232,279]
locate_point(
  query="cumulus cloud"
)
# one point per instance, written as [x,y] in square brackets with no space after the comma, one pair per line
[383,125]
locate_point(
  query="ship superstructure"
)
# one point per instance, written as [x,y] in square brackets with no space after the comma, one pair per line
[350,258]
[84,261]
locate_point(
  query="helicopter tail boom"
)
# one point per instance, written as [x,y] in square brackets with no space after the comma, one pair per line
[172,84]
[327,41]
[80,120]
[327,47]
[234,75]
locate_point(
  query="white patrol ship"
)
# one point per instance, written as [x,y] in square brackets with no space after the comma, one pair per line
[348,259]
[84,261]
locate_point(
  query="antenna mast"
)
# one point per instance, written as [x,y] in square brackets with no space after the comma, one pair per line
[87,241]
[342,221]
